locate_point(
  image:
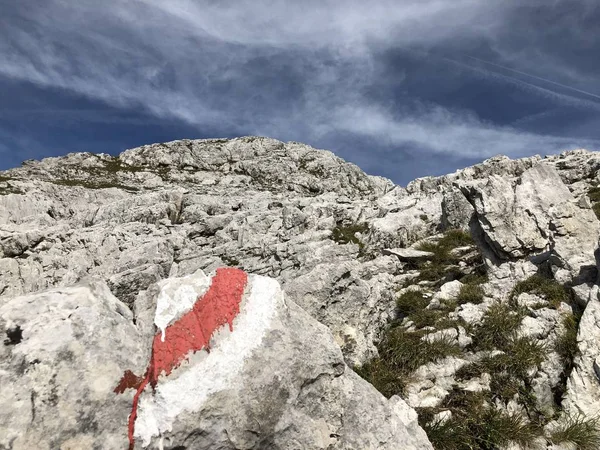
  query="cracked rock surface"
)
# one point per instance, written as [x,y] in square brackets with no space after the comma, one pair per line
[344,246]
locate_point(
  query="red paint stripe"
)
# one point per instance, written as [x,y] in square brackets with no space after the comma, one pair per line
[190,333]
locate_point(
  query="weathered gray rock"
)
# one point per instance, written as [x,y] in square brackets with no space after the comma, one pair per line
[276,380]
[319,226]
[408,254]
[533,214]
[63,351]
[583,387]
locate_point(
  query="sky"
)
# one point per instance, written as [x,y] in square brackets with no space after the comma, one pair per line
[402,88]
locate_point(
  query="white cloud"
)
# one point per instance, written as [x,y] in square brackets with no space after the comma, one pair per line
[449,132]
[216,63]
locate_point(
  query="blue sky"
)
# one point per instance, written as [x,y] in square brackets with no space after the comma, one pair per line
[403,88]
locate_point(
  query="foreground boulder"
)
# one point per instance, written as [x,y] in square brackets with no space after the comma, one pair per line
[233,365]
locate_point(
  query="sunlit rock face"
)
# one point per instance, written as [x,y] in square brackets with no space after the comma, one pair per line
[94,243]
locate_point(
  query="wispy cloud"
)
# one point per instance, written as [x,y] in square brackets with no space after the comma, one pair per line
[294,70]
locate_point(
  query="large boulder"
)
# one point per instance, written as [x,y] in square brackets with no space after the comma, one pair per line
[536,214]
[221,363]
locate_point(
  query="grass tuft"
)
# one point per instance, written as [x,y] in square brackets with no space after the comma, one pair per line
[470,293]
[441,264]
[498,327]
[584,433]
[481,428]
[550,289]
[566,343]
[401,352]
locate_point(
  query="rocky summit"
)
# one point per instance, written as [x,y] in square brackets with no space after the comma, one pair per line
[254,294]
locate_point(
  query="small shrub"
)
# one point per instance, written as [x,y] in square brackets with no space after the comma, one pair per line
[498,327]
[551,290]
[470,293]
[424,217]
[578,430]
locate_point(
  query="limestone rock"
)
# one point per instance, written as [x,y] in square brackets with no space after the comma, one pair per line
[533,214]
[583,387]
[408,254]
[274,377]
[63,351]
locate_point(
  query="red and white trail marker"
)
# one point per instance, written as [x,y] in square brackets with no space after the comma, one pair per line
[225,324]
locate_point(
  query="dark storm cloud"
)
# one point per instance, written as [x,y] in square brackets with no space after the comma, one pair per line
[377,82]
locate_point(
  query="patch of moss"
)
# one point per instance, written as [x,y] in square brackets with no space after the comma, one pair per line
[550,289]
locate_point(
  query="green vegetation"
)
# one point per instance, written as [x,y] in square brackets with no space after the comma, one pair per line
[401,352]
[9,188]
[582,432]
[498,327]
[413,305]
[566,346]
[93,185]
[475,425]
[550,289]
[470,293]
[344,234]
[232,262]
[424,217]
[594,196]
[410,302]
[442,260]
[115,165]
[566,343]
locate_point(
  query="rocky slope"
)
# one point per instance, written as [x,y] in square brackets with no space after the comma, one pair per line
[473,296]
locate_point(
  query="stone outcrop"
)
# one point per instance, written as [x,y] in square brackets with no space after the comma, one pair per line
[342,244]
[233,365]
